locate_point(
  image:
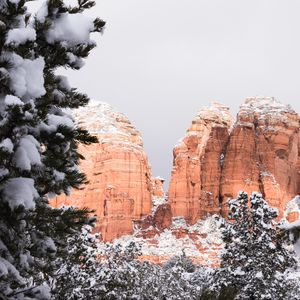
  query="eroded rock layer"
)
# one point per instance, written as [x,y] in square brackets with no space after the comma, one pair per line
[120,186]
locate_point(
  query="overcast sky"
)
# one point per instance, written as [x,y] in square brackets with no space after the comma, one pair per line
[159,61]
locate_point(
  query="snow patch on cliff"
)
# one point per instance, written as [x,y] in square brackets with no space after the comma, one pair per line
[201,240]
[293,206]
[265,107]
[101,119]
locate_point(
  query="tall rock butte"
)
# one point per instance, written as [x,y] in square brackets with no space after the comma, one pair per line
[197,165]
[215,160]
[263,153]
[120,185]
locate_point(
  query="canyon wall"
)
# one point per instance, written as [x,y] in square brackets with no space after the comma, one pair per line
[215,161]
[120,185]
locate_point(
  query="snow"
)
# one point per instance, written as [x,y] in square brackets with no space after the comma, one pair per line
[42,12]
[48,245]
[70,28]
[12,100]
[27,78]
[19,36]
[289,226]
[14,1]
[7,268]
[27,153]
[55,120]
[266,108]
[101,119]
[156,201]
[297,247]
[216,112]
[293,206]
[238,272]
[166,244]
[3,172]
[42,292]
[7,145]
[63,83]
[19,191]
[59,176]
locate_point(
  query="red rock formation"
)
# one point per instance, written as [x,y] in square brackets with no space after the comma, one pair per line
[212,163]
[262,153]
[120,186]
[194,186]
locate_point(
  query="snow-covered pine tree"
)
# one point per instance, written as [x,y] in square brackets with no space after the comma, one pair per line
[77,277]
[254,259]
[38,139]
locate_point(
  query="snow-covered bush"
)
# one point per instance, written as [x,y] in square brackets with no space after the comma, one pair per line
[38,139]
[124,276]
[255,260]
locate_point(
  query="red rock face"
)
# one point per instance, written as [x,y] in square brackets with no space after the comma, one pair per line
[261,153]
[120,185]
[194,186]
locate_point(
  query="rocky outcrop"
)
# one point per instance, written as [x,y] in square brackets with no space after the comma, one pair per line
[120,186]
[194,187]
[201,242]
[213,162]
[263,153]
[158,187]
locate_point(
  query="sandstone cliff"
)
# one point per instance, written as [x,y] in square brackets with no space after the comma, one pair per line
[262,153]
[120,185]
[194,187]
[259,153]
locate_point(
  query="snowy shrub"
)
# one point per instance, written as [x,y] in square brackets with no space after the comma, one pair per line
[255,258]
[124,276]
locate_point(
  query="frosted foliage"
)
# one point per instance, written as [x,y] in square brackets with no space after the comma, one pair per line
[27,79]
[27,153]
[20,35]
[64,82]
[42,292]
[7,269]
[59,176]
[12,100]
[54,121]
[71,28]
[7,145]
[297,247]
[42,13]
[255,255]
[19,191]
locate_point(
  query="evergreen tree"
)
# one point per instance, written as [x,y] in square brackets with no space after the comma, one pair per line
[38,140]
[254,259]
[77,272]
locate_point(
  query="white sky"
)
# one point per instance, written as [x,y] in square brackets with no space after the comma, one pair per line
[159,61]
